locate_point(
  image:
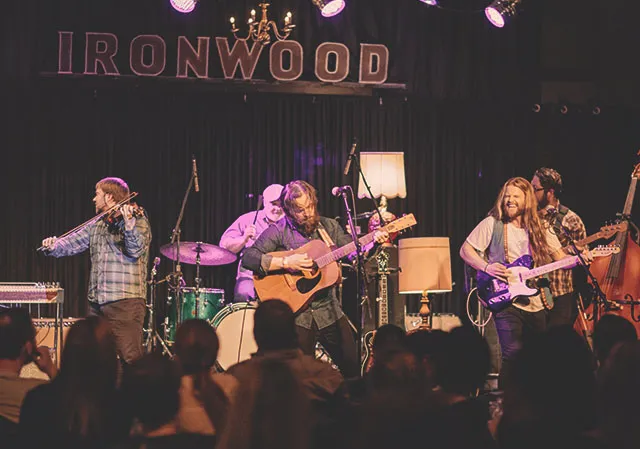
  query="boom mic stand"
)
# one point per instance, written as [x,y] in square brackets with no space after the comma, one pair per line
[361,282]
[176,276]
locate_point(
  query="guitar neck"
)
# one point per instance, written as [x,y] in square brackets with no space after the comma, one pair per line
[383,303]
[343,251]
[567,262]
[589,240]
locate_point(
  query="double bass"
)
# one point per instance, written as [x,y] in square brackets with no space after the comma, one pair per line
[617,275]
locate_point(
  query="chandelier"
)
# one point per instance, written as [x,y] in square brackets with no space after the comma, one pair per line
[261,31]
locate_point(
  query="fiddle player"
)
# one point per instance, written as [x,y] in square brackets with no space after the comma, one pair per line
[119,248]
[243,233]
[547,185]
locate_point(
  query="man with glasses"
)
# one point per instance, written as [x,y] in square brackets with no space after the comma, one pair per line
[322,319]
[567,225]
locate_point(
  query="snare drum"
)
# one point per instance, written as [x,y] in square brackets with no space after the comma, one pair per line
[234,326]
[210,303]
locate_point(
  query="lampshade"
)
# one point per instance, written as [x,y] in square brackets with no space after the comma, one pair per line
[425,264]
[384,172]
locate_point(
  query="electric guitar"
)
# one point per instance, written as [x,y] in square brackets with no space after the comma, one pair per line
[298,288]
[496,294]
[604,233]
[383,310]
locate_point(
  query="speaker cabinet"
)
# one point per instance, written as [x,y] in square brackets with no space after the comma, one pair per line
[45,331]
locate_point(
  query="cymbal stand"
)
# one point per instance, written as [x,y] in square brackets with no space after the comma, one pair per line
[197,279]
[151,336]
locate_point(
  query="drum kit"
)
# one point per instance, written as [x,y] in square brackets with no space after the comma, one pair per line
[233,322]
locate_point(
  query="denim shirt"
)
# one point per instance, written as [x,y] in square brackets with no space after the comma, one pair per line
[324,308]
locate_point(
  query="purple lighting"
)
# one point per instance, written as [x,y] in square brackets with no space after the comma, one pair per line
[430,2]
[183,6]
[494,16]
[332,8]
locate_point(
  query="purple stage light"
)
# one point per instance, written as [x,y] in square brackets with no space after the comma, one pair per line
[330,8]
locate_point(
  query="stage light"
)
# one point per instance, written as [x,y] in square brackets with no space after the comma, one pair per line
[329,8]
[499,11]
[430,2]
[183,6]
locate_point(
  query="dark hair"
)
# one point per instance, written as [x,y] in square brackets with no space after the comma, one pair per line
[196,349]
[388,335]
[88,378]
[274,326]
[293,191]
[610,330]
[151,386]
[16,329]
[550,179]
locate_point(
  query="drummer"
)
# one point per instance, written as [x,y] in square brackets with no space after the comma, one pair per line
[243,233]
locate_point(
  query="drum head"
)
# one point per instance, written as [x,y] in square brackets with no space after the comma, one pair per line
[234,326]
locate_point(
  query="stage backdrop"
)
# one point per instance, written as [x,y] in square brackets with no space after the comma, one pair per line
[465,124]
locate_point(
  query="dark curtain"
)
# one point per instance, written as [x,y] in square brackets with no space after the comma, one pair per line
[465,125]
[61,140]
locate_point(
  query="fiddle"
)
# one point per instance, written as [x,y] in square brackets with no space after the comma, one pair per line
[114,217]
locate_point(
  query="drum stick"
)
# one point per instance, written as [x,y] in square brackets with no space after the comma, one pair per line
[258,206]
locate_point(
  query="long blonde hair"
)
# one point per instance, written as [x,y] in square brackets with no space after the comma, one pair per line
[530,220]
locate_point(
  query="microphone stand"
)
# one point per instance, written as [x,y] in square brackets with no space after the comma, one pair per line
[363,297]
[175,239]
[366,184]
[600,297]
[151,332]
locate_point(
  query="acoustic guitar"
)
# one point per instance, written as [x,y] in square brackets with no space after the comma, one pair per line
[298,288]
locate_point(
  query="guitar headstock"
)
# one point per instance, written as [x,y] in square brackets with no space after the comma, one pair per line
[605,250]
[406,221]
[636,168]
[610,230]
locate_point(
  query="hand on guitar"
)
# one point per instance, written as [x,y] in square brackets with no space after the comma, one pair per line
[587,256]
[381,236]
[498,270]
[297,262]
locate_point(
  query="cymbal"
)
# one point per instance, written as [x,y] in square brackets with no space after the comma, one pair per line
[209,254]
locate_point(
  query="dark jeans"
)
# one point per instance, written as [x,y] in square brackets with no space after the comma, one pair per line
[514,326]
[126,318]
[339,342]
[565,310]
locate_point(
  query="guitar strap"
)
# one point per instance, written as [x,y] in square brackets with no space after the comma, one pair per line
[324,235]
[543,294]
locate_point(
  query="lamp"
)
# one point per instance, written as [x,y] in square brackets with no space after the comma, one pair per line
[261,32]
[183,6]
[384,172]
[425,268]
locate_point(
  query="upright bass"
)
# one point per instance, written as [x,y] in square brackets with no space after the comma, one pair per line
[617,275]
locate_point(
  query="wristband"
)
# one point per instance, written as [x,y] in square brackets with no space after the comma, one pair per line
[486,266]
[284,263]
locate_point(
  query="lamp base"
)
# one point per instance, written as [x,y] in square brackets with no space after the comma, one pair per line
[424,312]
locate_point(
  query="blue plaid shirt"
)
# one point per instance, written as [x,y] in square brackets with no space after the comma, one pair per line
[118,259]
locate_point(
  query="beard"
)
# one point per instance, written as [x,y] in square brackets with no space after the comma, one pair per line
[513,213]
[309,225]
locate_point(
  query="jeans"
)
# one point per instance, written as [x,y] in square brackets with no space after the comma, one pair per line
[339,342]
[514,326]
[565,310]
[126,318]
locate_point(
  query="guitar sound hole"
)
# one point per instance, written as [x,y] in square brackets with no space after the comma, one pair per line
[305,285]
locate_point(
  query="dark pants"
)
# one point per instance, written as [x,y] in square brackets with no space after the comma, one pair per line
[126,318]
[514,326]
[339,342]
[565,310]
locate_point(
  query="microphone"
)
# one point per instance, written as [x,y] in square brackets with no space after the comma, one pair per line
[195,173]
[336,191]
[351,153]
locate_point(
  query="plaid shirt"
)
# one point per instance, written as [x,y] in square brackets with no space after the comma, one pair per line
[562,280]
[118,259]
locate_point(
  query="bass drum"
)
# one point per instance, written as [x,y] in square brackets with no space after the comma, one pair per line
[234,326]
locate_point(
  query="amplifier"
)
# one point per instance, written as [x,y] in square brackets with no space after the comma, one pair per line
[45,330]
[441,321]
